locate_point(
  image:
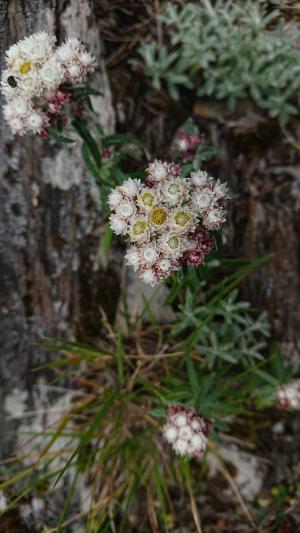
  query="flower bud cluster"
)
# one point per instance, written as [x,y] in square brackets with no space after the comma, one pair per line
[187,144]
[166,219]
[288,395]
[186,432]
[33,82]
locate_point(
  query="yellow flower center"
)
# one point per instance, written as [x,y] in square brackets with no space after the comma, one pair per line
[25,67]
[139,227]
[158,216]
[147,199]
[182,218]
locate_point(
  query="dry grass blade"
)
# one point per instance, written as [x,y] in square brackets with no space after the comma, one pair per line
[234,487]
[196,514]
[151,512]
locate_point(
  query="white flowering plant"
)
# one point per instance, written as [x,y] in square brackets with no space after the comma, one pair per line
[47,92]
[167,218]
[41,80]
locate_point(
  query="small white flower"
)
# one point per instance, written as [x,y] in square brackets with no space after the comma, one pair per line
[164,265]
[51,73]
[181,420]
[147,198]
[182,144]
[198,442]
[216,216]
[8,112]
[157,170]
[86,59]
[220,190]
[133,258]
[21,105]
[182,220]
[185,433]
[37,47]
[65,53]
[174,189]
[125,209]
[170,434]
[35,122]
[16,125]
[203,199]
[171,245]
[118,224]
[148,276]
[74,72]
[195,424]
[115,198]
[30,83]
[139,230]
[173,242]
[288,395]
[130,187]
[199,178]
[181,446]
[13,54]
[74,43]
[150,254]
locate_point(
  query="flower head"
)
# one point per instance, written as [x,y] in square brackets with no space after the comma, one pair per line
[187,144]
[118,224]
[157,171]
[37,47]
[164,219]
[130,187]
[175,189]
[288,395]
[186,432]
[147,198]
[32,83]
[139,230]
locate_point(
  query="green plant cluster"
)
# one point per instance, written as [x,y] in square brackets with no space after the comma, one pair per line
[209,358]
[228,331]
[228,50]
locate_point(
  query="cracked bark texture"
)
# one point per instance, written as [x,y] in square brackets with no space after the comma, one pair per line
[50,269]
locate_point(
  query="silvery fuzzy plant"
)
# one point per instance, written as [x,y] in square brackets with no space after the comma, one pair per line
[228,50]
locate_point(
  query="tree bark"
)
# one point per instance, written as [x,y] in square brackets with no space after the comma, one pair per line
[261,161]
[50,220]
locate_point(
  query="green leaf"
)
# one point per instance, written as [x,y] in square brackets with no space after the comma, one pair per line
[192,374]
[59,137]
[89,163]
[158,413]
[106,240]
[89,140]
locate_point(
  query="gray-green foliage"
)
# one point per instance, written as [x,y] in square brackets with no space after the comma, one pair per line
[226,331]
[232,49]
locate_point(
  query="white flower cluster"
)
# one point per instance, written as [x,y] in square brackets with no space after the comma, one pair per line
[186,432]
[165,218]
[288,395]
[36,69]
